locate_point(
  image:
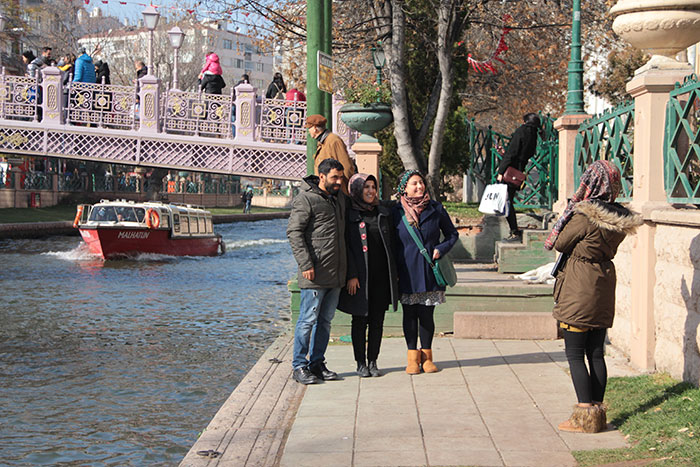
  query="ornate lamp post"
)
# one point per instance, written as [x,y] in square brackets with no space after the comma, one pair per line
[150,19]
[574,96]
[379,59]
[176,36]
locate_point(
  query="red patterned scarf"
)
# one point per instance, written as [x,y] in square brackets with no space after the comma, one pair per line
[414,206]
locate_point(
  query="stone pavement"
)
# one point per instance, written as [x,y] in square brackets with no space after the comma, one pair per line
[494,403]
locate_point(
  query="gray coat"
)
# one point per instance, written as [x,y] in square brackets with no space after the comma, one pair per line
[316,233]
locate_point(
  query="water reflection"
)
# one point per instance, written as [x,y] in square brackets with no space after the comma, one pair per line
[123,362]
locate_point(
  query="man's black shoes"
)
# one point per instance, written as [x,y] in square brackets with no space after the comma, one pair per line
[304,376]
[362,370]
[373,370]
[321,372]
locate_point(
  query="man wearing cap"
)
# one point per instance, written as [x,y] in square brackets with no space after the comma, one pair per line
[330,146]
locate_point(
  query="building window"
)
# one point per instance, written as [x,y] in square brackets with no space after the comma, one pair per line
[228,44]
[259,67]
[239,63]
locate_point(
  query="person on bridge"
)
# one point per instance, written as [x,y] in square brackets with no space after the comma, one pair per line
[589,232]
[372,282]
[102,72]
[316,233]
[330,146]
[521,148]
[211,80]
[277,89]
[84,68]
[34,64]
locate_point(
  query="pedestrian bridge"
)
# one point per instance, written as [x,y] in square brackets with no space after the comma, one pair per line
[151,126]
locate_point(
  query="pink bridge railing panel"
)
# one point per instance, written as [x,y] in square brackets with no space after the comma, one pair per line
[18,97]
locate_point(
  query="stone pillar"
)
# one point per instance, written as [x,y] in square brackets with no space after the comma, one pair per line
[650,91]
[245,113]
[567,126]
[367,157]
[52,91]
[149,109]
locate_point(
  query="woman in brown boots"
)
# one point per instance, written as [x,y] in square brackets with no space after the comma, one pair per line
[588,232]
[418,288]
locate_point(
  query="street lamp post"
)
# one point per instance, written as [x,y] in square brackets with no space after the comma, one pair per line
[150,19]
[175,35]
[574,96]
[379,59]
[2,28]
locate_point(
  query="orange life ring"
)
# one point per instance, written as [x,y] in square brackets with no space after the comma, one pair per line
[78,215]
[152,218]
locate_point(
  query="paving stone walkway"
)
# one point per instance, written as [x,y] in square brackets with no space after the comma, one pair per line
[494,403]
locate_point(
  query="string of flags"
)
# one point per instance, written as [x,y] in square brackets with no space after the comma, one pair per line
[191,11]
[488,65]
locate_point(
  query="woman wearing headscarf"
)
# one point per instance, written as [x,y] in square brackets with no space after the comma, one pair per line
[372,283]
[589,231]
[418,287]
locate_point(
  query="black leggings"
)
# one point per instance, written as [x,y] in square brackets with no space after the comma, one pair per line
[373,338]
[512,218]
[418,319]
[590,382]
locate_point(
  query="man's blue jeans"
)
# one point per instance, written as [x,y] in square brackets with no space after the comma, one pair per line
[313,329]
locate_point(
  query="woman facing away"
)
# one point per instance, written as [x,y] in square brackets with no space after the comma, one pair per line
[589,231]
[419,290]
[277,89]
[372,282]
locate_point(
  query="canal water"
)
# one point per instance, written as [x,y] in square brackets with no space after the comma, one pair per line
[125,362]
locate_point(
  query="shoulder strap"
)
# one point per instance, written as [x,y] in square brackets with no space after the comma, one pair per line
[414,235]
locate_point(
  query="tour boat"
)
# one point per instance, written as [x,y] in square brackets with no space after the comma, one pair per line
[114,229]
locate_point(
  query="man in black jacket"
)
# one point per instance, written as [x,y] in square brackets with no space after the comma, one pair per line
[521,148]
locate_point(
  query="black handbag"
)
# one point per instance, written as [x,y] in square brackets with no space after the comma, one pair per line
[559,264]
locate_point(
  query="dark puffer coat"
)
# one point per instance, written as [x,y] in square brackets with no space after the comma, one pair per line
[521,148]
[415,274]
[316,233]
[358,261]
[584,293]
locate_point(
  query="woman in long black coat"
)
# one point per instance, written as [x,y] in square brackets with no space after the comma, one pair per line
[419,290]
[371,276]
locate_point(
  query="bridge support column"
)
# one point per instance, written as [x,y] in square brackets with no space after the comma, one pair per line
[52,90]
[245,113]
[150,107]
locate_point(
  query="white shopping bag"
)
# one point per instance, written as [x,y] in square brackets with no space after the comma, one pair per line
[495,200]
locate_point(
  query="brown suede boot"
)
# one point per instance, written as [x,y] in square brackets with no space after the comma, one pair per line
[413,366]
[426,358]
[585,420]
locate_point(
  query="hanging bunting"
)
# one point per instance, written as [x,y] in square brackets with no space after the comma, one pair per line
[488,66]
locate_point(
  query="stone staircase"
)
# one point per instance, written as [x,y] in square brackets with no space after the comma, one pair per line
[516,258]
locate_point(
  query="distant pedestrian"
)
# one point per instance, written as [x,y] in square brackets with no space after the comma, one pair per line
[66,65]
[419,290]
[277,89]
[211,80]
[141,71]
[247,198]
[295,95]
[521,148]
[84,68]
[329,146]
[46,56]
[316,233]
[102,72]
[34,64]
[589,232]
[372,280]
[245,79]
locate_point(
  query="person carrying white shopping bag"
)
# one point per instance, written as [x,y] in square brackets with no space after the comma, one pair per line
[495,200]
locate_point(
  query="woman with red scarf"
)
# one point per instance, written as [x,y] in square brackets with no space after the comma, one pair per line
[418,289]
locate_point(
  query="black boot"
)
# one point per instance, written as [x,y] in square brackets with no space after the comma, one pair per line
[373,370]
[362,370]
[514,237]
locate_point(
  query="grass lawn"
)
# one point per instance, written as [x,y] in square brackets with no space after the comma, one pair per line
[469,210]
[64,212]
[659,415]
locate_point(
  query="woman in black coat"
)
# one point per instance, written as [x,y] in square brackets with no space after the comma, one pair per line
[371,277]
[419,290]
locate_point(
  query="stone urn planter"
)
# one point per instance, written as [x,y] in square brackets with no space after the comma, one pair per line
[661,27]
[366,118]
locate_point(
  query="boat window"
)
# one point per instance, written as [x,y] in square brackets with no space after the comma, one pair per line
[165,221]
[210,228]
[126,214]
[202,225]
[140,214]
[103,214]
[194,226]
[184,224]
[176,222]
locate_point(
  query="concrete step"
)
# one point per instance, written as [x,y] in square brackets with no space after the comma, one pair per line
[504,325]
[516,258]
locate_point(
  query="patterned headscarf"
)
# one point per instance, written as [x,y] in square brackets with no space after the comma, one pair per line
[600,181]
[356,186]
[412,206]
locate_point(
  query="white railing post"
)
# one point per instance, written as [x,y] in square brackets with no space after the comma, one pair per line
[245,112]
[52,93]
[149,107]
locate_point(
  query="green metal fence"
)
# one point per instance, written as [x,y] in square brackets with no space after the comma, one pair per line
[608,136]
[681,145]
[486,147]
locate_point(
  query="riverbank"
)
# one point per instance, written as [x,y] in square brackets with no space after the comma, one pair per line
[46,229]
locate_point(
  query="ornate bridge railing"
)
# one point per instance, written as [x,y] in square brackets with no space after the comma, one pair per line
[540,189]
[102,105]
[18,98]
[283,121]
[681,143]
[198,114]
[608,136]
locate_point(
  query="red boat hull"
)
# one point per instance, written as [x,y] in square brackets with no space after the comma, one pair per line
[120,242]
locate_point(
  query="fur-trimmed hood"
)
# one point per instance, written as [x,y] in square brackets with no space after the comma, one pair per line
[610,216]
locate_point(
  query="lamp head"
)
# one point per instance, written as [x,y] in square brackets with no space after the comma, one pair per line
[150,17]
[176,36]
[378,56]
